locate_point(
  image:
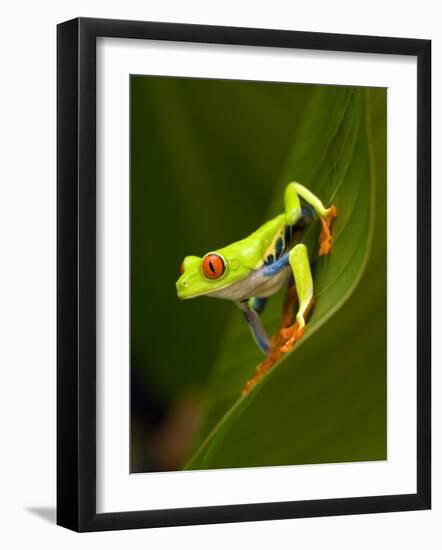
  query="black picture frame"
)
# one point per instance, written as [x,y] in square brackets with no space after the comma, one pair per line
[76,273]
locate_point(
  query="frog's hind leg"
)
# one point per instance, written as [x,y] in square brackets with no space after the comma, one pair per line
[254,322]
[275,351]
[326,215]
[299,262]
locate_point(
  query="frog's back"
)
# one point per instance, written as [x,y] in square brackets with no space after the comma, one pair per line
[268,232]
[277,237]
[265,245]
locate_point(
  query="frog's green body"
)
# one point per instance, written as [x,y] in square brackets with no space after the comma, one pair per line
[253,269]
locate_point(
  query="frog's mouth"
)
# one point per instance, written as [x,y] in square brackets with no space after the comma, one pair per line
[184,290]
[187,289]
[229,291]
[185,293]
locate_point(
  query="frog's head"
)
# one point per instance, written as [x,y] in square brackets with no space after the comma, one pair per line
[214,271]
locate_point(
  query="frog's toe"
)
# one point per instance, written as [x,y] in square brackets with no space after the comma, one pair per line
[293,333]
[248,386]
[271,358]
[288,332]
[325,238]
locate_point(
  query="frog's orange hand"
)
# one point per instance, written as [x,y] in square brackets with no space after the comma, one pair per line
[294,333]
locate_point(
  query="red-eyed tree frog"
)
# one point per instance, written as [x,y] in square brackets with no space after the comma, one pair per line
[251,270]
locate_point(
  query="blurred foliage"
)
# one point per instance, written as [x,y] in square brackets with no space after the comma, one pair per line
[209,161]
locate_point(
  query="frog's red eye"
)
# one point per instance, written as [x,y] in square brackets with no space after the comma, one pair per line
[213,266]
[182,267]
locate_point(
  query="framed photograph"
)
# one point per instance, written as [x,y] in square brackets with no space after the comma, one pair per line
[243,274]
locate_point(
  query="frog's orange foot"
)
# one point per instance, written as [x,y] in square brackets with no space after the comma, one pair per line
[282,342]
[248,386]
[325,238]
[292,335]
[271,358]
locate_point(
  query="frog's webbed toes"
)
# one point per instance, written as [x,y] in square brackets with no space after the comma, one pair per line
[271,358]
[290,331]
[325,238]
[292,334]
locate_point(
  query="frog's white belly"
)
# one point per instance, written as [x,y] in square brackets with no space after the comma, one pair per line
[256,284]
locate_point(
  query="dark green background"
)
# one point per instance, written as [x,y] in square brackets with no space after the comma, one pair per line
[205,158]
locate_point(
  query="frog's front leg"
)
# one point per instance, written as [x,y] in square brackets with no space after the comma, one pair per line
[252,317]
[326,215]
[300,265]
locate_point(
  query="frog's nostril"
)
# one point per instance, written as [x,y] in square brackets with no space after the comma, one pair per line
[184,283]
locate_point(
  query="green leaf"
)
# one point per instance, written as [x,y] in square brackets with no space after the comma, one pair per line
[325,401]
[199,149]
